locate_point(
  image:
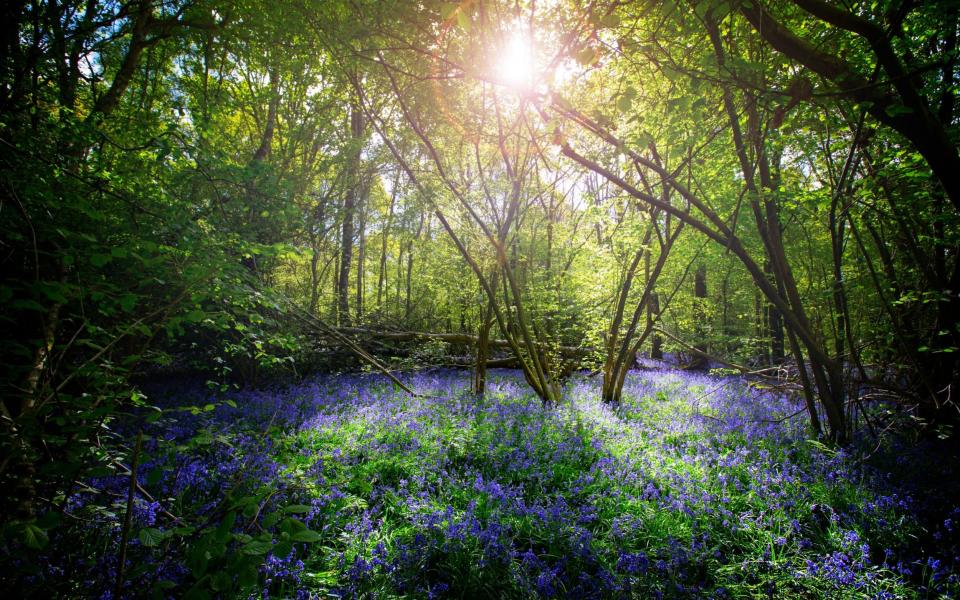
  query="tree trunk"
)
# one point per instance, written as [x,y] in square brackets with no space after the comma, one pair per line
[623,356]
[319,214]
[483,350]
[106,103]
[774,324]
[382,271]
[350,202]
[407,306]
[361,259]
[314,281]
[760,325]
[656,344]
[699,361]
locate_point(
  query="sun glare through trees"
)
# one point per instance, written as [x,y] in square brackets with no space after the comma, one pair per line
[516,61]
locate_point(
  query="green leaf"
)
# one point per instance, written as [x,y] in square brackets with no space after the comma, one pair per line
[247,577]
[283,548]
[898,109]
[670,73]
[610,20]
[447,9]
[257,547]
[54,291]
[197,593]
[643,139]
[197,560]
[217,550]
[26,304]
[307,535]
[586,56]
[270,520]
[155,475]
[151,536]
[291,525]
[463,20]
[99,260]
[128,302]
[223,530]
[33,537]
[221,581]
[297,509]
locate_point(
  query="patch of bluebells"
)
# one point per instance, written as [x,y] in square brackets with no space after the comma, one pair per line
[286,570]
[694,486]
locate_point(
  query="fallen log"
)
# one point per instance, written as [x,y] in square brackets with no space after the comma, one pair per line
[451,338]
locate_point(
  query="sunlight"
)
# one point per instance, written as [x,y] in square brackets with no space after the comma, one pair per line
[516,62]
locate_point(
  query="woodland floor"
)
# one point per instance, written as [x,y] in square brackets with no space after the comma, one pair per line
[697,486]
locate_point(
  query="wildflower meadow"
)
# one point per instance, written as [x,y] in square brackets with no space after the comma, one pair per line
[695,486]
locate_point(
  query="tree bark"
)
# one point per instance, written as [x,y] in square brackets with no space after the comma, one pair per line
[656,343]
[774,325]
[361,259]
[382,271]
[483,350]
[350,201]
[699,361]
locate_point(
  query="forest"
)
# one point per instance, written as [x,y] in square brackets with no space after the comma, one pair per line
[479,299]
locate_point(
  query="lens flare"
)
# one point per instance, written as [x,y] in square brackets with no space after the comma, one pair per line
[516,62]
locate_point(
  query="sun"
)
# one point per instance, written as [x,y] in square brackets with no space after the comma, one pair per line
[516,62]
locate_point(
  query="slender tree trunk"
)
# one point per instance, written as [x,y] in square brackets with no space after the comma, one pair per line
[350,202]
[656,344]
[550,219]
[361,260]
[774,324]
[335,304]
[106,103]
[631,341]
[608,391]
[408,307]
[700,316]
[382,271]
[760,324]
[483,349]
[399,285]
[314,280]
[316,240]
[724,315]
[611,363]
